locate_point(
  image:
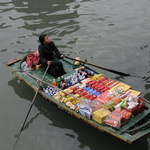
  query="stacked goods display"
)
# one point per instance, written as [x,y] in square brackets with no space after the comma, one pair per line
[97,97]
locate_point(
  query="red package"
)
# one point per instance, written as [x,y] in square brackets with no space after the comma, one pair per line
[87,96]
[102,79]
[103,97]
[83,93]
[92,97]
[78,91]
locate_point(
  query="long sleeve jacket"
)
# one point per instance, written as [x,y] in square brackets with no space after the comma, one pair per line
[47,52]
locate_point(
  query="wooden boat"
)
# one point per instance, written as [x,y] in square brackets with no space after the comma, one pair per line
[133,129]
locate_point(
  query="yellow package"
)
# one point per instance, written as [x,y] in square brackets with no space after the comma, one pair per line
[75,102]
[97,76]
[120,88]
[100,114]
[133,93]
[71,98]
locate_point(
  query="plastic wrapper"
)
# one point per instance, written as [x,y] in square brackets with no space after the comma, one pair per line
[94,105]
[111,83]
[137,107]
[109,105]
[103,98]
[124,103]
[58,97]
[85,110]
[73,100]
[100,114]
[116,100]
[74,88]
[118,105]
[132,105]
[85,81]
[97,76]
[133,93]
[69,104]
[118,117]
[120,88]
[103,79]
[78,91]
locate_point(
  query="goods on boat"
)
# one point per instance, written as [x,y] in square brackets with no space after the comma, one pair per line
[104,103]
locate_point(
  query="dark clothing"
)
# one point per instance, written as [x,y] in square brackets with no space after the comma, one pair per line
[46,53]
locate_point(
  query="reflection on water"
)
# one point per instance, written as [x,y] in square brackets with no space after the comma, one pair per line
[57,18]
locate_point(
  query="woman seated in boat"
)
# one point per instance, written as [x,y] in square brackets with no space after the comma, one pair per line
[47,50]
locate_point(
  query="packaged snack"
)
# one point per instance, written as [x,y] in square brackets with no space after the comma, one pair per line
[109,105]
[103,97]
[78,91]
[118,117]
[94,105]
[84,93]
[124,103]
[97,76]
[120,87]
[133,93]
[137,107]
[111,83]
[103,79]
[87,80]
[100,114]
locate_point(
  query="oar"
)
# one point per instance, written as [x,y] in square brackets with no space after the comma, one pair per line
[110,70]
[31,106]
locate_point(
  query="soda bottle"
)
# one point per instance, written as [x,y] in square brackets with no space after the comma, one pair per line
[58,81]
[54,82]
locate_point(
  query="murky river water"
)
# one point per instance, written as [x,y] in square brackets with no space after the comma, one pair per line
[111,33]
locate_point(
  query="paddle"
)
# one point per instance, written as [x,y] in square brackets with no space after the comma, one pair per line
[110,70]
[31,106]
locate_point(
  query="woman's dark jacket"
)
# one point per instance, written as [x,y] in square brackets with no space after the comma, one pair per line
[47,52]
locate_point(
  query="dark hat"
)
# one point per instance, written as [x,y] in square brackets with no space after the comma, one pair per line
[41,38]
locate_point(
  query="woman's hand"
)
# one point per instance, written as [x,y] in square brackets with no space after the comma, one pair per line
[62,56]
[49,62]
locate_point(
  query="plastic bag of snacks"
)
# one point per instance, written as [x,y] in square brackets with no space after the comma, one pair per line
[85,110]
[135,106]
[117,117]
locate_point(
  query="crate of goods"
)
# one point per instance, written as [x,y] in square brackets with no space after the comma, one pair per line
[100,114]
[136,107]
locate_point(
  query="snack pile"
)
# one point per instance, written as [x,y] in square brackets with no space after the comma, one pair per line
[97,97]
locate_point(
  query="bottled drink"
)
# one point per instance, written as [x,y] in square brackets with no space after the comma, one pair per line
[58,81]
[54,82]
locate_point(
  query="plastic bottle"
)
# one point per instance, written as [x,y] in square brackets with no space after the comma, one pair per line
[58,81]
[54,82]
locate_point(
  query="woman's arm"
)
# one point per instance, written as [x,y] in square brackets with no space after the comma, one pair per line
[43,60]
